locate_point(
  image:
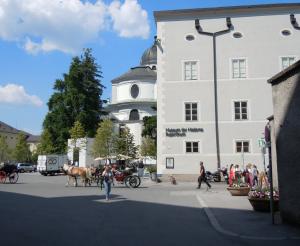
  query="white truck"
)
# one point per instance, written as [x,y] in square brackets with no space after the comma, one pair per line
[51,164]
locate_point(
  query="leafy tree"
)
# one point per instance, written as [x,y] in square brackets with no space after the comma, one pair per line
[4,150]
[21,152]
[76,133]
[150,125]
[148,147]
[76,97]
[125,144]
[46,145]
[104,143]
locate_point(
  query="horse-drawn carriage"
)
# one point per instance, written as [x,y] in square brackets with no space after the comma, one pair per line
[10,172]
[127,177]
[94,175]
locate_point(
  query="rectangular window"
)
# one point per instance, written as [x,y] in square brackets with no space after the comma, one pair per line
[170,163]
[192,147]
[239,68]
[241,110]
[287,61]
[190,70]
[242,146]
[191,111]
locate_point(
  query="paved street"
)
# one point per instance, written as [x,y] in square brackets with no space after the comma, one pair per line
[40,210]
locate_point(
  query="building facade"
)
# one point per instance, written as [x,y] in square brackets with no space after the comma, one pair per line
[10,135]
[134,95]
[219,121]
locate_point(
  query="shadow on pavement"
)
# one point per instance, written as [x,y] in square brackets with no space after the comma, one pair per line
[83,220]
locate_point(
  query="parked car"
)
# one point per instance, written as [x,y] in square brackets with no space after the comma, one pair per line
[26,167]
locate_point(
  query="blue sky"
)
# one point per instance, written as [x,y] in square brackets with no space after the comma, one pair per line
[38,39]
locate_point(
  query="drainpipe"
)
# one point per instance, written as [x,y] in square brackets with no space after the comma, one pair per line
[214,35]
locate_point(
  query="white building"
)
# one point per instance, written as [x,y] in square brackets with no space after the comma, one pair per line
[260,43]
[134,95]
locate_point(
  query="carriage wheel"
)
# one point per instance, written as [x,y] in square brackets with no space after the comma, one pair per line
[13,177]
[134,181]
[127,181]
[2,177]
[138,180]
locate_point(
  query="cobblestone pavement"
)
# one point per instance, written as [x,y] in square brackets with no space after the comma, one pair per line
[40,210]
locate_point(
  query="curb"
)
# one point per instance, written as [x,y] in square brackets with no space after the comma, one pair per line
[216,225]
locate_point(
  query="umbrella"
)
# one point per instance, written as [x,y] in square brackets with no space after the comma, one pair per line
[123,157]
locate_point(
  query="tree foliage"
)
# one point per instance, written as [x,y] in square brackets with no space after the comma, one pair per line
[148,147]
[4,150]
[76,97]
[104,143]
[46,145]
[21,152]
[150,125]
[125,144]
[76,132]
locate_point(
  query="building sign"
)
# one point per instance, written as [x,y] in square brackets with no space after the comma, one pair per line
[181,132]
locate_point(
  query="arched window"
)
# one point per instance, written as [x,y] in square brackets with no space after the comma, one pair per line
[134,115]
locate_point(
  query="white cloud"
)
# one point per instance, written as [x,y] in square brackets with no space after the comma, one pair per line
[16,94]
[129,19]
[68,25]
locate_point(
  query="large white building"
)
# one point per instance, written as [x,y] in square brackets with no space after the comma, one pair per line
[134,95]
[219,121]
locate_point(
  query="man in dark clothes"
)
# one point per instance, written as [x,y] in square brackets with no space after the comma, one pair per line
[202,177]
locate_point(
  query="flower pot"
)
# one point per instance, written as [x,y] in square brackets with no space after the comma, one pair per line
[262,204]
[238,191]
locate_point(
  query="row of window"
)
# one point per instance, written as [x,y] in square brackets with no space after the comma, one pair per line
[240,110]
[238,67]
[241,146]
[193,147]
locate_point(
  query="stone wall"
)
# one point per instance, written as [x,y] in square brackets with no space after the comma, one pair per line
[286,101]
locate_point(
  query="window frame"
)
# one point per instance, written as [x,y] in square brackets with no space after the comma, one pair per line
[197,70]
[192,146]
[231,68]
[233,109]
[288,56]
[191,111]
[173,162]
[242,141]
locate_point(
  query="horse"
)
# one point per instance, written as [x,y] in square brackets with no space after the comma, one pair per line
[73,172]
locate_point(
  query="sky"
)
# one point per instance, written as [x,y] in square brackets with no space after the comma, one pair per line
[39,38]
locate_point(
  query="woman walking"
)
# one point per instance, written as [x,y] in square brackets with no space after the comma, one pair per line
[231,175]
[108,179]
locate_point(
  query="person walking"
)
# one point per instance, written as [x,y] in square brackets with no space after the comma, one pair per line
[108,179]
[255,175]
[141,167]
[202,177]
[231,175]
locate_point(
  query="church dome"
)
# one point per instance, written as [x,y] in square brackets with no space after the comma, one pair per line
[149,57]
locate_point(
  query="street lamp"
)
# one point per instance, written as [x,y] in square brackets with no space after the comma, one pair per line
[294,22]
[214,35]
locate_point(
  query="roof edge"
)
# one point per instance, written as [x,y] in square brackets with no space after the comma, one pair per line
[227,9]
[286,73]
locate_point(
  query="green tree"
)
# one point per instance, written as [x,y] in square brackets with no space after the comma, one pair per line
[21,152]
[125,144]
[150,126]
[76,97]
[148,147]
[104,143]
[4,150]
[76,133]
[46,145]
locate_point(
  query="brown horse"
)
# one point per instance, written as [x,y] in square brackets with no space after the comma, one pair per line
[73,172]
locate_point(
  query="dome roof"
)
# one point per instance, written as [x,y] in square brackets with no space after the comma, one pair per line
[149,56]
[137,73]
